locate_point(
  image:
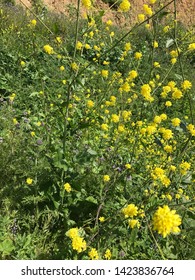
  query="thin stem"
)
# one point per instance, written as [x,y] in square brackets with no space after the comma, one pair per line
[77,27]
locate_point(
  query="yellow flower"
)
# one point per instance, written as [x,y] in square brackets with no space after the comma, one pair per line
[124,6]
[62,68]
[86,4]
[168,104]
[155,44]
[109,22]
[29,181]
[115,118]
[167,134]
[127,166]
[104,126]
[176,121]
[156,64]
[106,178]
[147,10]
[33,22]
[67,187]
[138,55]
[133,223]
[32,133]
[90,104]
[177,94]
[104,73]
[145,92]
[48,49]
[15,121]
[191,47]
[127,47]
[93,254]
[186,85]
[22,63]
[141,17]
[74,66]
[79,45]
[101,219]
[130,211]
[173,60]
[59,40]
[108,254]
[73,232]
[79,244]
[166,221]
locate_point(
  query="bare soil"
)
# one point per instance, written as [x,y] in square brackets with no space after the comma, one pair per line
[185,9]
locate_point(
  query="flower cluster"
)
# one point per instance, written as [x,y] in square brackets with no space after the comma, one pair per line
[166,221]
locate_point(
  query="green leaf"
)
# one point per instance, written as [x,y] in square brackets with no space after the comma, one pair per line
[92,152]
[92,199]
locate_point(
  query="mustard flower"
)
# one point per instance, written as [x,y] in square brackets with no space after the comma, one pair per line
[176,121]
[67,187]
[106,178]
[191,47]
[168,148]
[79,244]
[104,126]
[29,181]
[109,22]
[48,49]
[62,68]
[130,210]
[186,85]
[166,221]
[108,254]
[58,40]
[168,103]
[138,55]
[145,91]
[173,60]
[125,87]
[115,118]
[124,6]
[132,75]
[127,165]
[127,46]
[104,73]
[155,44]
[166,28]
[32,133]
[177,94]
[101,219]
[167,134]
[22,63]
[184,167]
[79,45]
[33,22]
[74,66]
[86,4]
[93,254]
[141,17]
[147,10]
[90,104]
[73,232]
[156,64]
[133,223]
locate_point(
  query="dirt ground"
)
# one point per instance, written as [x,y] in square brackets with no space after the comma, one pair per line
[185,9]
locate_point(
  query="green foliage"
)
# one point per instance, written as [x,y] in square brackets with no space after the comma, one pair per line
[94,120]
